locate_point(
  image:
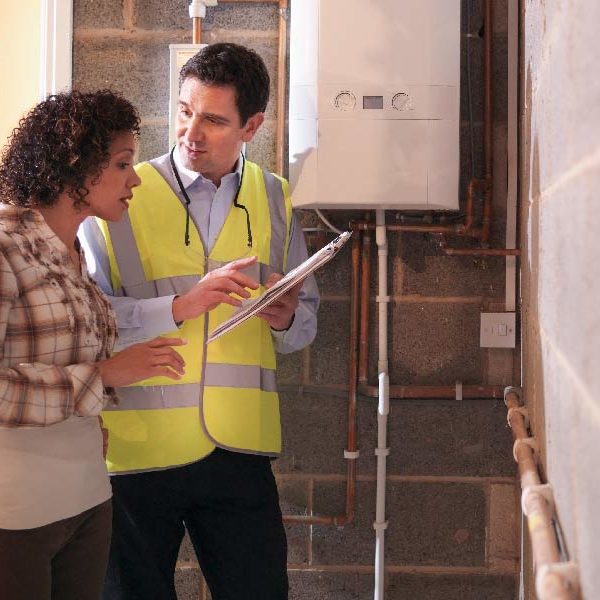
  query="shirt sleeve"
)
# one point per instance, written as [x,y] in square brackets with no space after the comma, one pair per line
[137,319]
[303,329]
[37,394]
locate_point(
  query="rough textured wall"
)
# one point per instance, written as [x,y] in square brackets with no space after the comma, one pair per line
[452,497]
[560,232]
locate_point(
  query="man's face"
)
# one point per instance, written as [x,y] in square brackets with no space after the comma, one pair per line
[208,128]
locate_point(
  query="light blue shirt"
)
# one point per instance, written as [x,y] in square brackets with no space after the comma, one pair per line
[142,319]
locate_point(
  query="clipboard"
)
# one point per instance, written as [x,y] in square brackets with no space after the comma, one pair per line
[293,278]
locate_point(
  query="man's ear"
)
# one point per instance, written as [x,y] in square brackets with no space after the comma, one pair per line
[252,126]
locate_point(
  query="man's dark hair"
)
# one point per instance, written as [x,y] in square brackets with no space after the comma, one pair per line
[60,143]
[231,64]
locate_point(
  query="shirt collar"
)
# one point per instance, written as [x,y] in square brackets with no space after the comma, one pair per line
[189,177]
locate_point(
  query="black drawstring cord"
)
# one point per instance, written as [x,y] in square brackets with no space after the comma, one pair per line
[235,202]
[185,195]
[187,199]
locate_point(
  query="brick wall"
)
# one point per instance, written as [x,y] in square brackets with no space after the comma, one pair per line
[452,496]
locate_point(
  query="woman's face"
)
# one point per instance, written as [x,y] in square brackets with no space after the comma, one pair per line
[110,192]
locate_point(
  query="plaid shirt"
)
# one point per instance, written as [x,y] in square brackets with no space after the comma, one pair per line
[54,325]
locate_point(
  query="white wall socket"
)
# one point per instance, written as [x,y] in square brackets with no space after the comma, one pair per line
[498,330]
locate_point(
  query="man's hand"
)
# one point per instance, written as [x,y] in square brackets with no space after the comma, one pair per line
[215,288]
[280,314]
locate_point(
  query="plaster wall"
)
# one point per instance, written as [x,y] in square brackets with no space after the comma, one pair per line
[560,175]
[20,64]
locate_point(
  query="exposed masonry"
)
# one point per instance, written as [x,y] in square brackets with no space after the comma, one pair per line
[452,496]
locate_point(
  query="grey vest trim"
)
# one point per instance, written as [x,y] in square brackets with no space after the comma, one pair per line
[169,286]
[131,270]
[152,397]
[274,190]
[185,395]
[240,376]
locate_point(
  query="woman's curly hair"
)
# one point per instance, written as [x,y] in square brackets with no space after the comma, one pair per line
[62,142]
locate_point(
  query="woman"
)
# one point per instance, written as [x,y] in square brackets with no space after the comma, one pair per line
[70,158]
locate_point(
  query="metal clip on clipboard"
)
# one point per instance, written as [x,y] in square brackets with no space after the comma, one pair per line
[293,278]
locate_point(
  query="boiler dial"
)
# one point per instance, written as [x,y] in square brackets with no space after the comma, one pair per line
[345,101]
[402,101]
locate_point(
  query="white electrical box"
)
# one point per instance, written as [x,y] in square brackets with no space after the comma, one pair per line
[374,103]
[179,54]
[498,330]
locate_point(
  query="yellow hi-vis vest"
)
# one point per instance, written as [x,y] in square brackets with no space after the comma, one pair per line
[228,396]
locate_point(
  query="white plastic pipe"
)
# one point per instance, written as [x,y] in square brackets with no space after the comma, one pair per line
[197,9]
[383,407]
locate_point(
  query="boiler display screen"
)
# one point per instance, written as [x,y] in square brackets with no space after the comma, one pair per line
[373,102]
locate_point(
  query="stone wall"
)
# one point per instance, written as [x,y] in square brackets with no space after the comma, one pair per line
[560,175]
[452,494]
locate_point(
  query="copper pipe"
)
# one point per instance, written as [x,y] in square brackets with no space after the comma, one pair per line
[487,120]
[352,392]
[476,251]
[196,30]
[424,392]
[369,225]
[482,251]
[365,280]
[544,544]
[474,184]
[348,517]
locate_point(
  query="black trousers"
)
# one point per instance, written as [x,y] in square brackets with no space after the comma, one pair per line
[64,560]
[230,506]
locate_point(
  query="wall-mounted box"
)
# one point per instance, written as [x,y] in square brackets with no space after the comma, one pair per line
[374,103]
[498,330]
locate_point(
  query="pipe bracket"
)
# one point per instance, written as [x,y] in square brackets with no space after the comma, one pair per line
[544,490]
[522,411]
[380,525]
[351,454]
[459,390]
[531,442]
[382,451]
[568,571]
[514,390]
[382,298]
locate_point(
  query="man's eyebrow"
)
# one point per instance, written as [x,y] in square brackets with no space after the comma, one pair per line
[216,117]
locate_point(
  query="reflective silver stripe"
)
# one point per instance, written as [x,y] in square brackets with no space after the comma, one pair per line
[125,250]
[150,397]
[178,285]
[274,189]
[240,376]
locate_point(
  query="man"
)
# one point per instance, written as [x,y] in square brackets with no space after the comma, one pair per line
[205,224]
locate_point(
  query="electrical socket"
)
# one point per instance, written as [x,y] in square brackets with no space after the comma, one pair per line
[498,330]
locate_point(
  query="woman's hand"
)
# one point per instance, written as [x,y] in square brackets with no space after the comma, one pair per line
[140,361]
